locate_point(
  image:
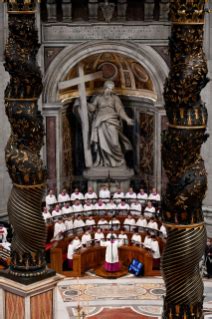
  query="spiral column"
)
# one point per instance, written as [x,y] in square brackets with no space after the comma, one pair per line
[181,147]
[22,152]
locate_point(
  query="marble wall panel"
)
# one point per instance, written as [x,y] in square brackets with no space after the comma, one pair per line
[42,305]
[51,150]
[14,306]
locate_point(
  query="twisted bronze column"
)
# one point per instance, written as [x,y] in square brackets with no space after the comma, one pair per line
[181,147]
[22,152]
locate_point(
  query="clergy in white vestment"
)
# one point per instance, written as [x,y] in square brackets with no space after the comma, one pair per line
[59,229]
[135,207]
[136,238]
[103,223]
[114,223]
[129,223]
[123,207]
[56,211]
[147,241]
[90,194]
[141,222]
[118,195]
[63,196]
[90,222]
[112,263]
[100,206]
[123,237]
[79,224]
[77,207]
[149,210]
[104,194]
[111,207]
[77,195]
[75,244]
[46,214]
[155,253]
[99,235]
[66,209]
[50,198]
[88,207]
[152,224]
[3,234]
[86,238]
[142,196]
[154,195]
[130,195]
[69,223]
[110,234]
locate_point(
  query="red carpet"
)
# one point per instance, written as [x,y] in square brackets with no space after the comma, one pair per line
[126,313]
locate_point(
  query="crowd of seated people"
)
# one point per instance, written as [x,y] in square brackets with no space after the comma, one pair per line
[89,203]
[89,238]
[64,227]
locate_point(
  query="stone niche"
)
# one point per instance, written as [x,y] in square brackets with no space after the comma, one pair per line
[134,86]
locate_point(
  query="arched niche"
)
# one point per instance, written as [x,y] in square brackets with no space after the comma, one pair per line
[143,96]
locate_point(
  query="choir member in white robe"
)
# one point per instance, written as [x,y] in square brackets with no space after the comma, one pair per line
[123,207]
[149,210]
[114,223]
[111,207]
[110,234]
[88,207]
[50,198]
[90,222]
[118,196]
[135,207]
[155,253]
[122,236]
[56,211]
[142,196]
[103,223]
[46,214]
[112,263]
[79,224]
[69,223]
[154,195]
[86,239]
[136,238]
[75,244]
[63,196]
[3,234]
[66,209]
[129,223]
[77,195]
[152,224]
[147,241]
[163,230]
[59,229]
[91,194]
[104,194]
[141,222]
[99,235]
[130,195]
[100,207]
[77,207]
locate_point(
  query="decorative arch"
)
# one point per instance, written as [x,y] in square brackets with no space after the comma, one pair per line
[70,56]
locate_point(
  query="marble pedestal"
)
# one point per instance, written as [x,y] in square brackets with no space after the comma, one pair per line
[35,301]
[113,176]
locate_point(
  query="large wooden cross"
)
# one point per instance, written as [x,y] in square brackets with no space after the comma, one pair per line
[83,111]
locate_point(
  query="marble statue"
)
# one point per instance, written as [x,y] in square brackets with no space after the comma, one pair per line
[107,139]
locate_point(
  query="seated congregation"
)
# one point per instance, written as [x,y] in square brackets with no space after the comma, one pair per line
[83,227]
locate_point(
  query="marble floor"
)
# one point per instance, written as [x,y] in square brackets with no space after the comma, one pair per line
[129,297]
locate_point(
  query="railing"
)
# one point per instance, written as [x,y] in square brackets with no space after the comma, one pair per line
[94,10]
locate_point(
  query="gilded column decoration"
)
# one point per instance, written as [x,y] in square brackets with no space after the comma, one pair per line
[182,203]
[22,151]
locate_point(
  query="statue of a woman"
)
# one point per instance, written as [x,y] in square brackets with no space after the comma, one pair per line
[107,139]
